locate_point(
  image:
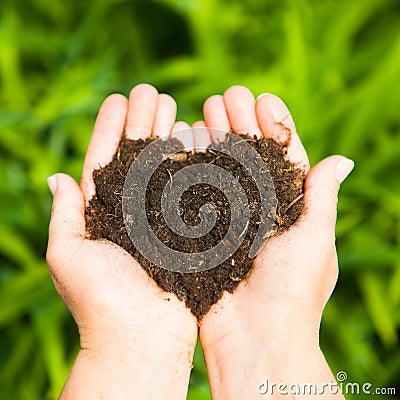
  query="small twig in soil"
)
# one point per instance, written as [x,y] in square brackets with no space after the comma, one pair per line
[170,176]
[245,140]
[244,230]
[295,201]
[216,158]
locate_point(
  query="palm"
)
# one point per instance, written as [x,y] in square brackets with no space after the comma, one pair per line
[112,286]
[286,266]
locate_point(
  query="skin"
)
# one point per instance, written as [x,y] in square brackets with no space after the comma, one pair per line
[137,341]
[269,327]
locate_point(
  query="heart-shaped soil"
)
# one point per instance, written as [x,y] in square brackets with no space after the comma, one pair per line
[199,290]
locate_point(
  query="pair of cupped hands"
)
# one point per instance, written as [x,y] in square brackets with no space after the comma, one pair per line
[137,341]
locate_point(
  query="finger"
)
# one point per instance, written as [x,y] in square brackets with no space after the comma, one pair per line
[106,135]
[188,140]
[215,114]
[276,122]
[67,221]
[321,191]
[182,131]
[143,101]
[240,106]
[165,116]
[201,136]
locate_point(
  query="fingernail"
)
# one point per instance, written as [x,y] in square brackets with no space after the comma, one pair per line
[343,169]
[52,183]
[261,95]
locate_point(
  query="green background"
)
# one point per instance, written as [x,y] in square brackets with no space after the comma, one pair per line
[335,63]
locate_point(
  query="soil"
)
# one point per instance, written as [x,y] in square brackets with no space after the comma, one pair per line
[104,219]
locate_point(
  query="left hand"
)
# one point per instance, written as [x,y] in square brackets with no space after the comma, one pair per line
[275,312]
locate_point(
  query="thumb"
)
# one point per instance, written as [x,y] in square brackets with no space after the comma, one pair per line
[321,190]
[67,216]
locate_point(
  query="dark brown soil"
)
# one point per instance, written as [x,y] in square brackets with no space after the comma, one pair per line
[104,219]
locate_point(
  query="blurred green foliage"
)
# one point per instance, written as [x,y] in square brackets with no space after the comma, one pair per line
[335,63]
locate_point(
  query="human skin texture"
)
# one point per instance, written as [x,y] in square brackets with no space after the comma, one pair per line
[269,327]
[136,340]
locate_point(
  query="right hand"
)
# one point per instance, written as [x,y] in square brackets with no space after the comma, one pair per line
[118,308]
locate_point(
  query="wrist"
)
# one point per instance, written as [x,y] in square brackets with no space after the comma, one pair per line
[136,346]
[136,366]
[261,350]
[277,348]
[263,366]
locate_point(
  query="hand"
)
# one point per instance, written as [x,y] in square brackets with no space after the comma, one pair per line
[269,327]
[145,337]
